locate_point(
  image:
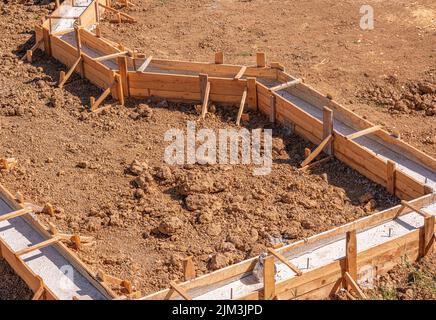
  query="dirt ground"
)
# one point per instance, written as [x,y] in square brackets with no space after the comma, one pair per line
[148,216]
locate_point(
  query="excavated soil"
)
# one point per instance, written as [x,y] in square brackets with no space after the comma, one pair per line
[147,216]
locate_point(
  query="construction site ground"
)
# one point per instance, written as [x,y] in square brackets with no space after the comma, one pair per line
[148,216]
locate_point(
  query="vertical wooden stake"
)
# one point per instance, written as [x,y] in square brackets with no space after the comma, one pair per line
[219,57]
[91,103]
[46,39]
[351,254]
[391,169]
[252,93]
[261,60]
[29,54]
[77,242]
[327,128]
[57,4]
[204,79]
[307,152]
[61,76]
[122,66]
[97,11]
[272,116]
[426,242]
[79,50]
[19,197]
[188,268]
[269,282]
[98,31]
[120,92]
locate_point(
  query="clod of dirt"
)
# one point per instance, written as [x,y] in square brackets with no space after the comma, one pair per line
[136,167]
[170,225]
[218,261]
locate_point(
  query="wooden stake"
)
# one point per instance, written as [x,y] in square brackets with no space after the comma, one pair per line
[261,60]
[427,237]
[188,268]
[29,55]
[48,209]
[20,197]
[277,65]
[391,170]
[79,50]
[219,57]
[119,89]
[316,163]
[327,131]
[272,116]
[351,254]
[204,80]
[122,66]
[252,93]
[95,104]
[205,101]
[307,152]
[57,4]
[91,103]
[241,107]
[269,281]
[98,31]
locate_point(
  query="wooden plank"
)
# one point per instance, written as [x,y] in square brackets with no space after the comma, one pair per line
[111,56]
[37,246]
[241,107]
[363,132]
[327,121]
[240,73]
[203,81]
[390,176]
[353,285]
[119,86]
[317,151]
[122,67]
[428,239]
[103,96]
[14,214]
[282,258]
[145,64]
[269,281]
[285,85]
[415,209]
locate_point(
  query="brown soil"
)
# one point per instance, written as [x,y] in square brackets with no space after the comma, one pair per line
[81,163]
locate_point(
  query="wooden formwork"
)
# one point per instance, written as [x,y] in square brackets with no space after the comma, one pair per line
[326,280]
[133,75]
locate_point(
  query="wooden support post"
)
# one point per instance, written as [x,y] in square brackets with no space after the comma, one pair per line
[19,197]
[252,93]
[79,49]
[240,73]
[52,229]
[316,163]
[91,103]
[391,173]
[283,259]
[122,66]
[269,281]
[46,39]
[427,237]
[351,254]
[219,57]
[94,104]
[180,291]
[261,60]
[38,294]
[317,151]
[327,129]
[188,268]
[97,12]
[241,107]
[119,87]
[272,116]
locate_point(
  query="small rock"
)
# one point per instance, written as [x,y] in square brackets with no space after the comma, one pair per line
[170,225]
